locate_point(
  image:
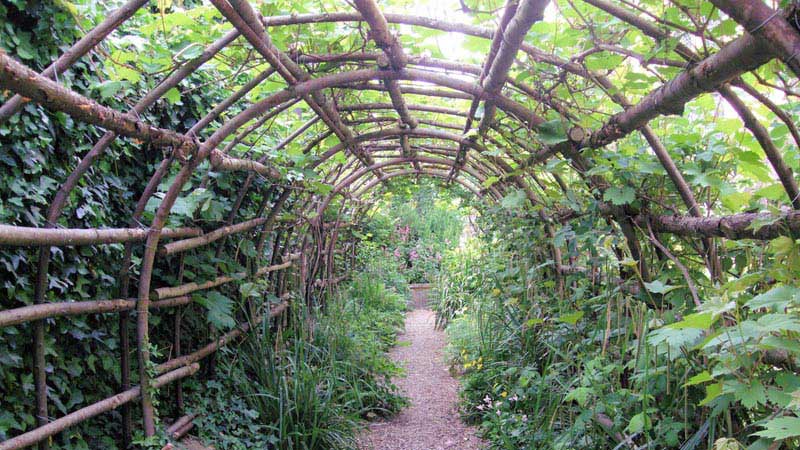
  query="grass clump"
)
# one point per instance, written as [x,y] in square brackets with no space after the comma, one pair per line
[311,385]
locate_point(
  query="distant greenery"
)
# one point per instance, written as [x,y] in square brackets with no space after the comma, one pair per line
[416,225]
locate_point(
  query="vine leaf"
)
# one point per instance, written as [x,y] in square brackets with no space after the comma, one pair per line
[619,195]
[220,309]
[514,200]
[658,287]
[750,394]
[781,428]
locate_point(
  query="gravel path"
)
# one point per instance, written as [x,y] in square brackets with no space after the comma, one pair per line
[432,421]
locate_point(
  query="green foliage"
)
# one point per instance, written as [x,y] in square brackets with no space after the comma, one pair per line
[40,148]
[573,369]
[566,349]
[309,386]
[414,227]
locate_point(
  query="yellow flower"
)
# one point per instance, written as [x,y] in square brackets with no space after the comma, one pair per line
[504,394]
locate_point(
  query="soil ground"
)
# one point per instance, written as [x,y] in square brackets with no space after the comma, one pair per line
[432,421]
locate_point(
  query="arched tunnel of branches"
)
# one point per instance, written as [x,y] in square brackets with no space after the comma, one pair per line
[178,176]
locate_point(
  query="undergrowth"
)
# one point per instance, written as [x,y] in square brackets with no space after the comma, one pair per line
[593,367]
[311,385]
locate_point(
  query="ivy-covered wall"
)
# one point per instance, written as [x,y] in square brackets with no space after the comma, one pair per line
[38,150]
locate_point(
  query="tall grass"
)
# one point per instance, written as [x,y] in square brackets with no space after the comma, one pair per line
[310,386]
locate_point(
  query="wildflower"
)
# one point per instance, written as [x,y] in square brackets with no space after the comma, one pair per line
[480,407]
[524,417]
[513,398]
[504,394]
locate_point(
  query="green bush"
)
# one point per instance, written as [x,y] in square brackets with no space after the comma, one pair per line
[594,365]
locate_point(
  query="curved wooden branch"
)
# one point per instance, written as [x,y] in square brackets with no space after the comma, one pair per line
[734,227]
[188,288]
[29,236]
[740,56]
[74,53]
[187,244]
[767,25]
[22,80]
[224,163]
[40,311]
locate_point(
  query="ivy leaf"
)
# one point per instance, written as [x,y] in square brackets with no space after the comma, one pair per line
[249,290]
[8,422]
[514,200]
[248,248]
[781,428]
[108,89]
[619,195]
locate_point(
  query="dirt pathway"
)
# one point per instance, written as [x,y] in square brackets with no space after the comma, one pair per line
[432,421]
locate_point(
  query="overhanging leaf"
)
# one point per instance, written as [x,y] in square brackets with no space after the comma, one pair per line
[777,298]
[619,195]
[780,428]
[551,132]
[220,309]
[658,287]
